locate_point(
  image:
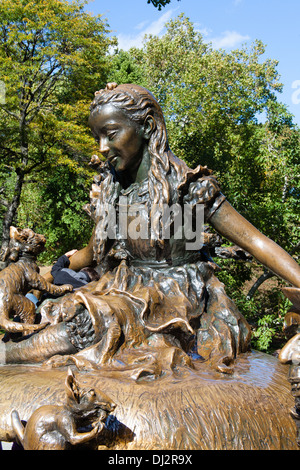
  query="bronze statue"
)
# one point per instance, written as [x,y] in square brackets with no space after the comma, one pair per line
[170,292]
[159,311]
[21,276]
[55,427]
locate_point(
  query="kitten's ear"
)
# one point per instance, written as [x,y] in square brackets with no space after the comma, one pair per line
[14,242]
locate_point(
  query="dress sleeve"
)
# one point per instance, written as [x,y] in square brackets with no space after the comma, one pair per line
[205,191]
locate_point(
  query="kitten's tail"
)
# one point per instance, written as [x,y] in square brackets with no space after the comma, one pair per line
[17,426]
[14,327]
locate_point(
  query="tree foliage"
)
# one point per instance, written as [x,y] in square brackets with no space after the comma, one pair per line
[53,56]
[214,102]
[159,3]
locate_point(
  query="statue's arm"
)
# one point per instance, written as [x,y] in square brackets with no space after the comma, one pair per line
[73,436]
[233,226]
[81,259]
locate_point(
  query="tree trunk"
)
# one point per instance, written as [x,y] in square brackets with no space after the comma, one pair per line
[10,215]
[13,206]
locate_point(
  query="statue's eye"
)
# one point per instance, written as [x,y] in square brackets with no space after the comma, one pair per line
[111,134]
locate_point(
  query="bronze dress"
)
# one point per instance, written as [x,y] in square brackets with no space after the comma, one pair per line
[161,297]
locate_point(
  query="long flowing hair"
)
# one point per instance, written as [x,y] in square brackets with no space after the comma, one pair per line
[139,103]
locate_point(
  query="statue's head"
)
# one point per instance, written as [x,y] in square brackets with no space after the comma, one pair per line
[135,100]
[139,106]
[25,242]
[139,111]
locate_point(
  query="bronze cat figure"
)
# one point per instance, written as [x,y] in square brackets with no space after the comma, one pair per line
[21,276]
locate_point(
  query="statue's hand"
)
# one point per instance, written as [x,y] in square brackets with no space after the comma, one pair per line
[291,351]
[291,323]
[97,427]
[293,294]
[60,290]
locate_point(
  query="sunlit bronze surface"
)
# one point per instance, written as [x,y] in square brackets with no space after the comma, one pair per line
[198,409]
[57,427]
[291,351]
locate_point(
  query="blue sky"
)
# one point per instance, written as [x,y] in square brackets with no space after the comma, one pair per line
[225,23]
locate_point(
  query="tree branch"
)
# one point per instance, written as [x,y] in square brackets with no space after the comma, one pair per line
[46,93]
[266,275]
[4,203]
[10,113]
[11,152]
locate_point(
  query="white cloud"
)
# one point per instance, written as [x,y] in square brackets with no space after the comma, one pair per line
[228,40]
[141,25]
[203,30]
[126,41]
[296,94]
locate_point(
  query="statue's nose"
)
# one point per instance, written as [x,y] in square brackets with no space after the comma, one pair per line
[103,146]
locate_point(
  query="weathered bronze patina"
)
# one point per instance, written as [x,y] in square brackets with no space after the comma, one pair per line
[157,331]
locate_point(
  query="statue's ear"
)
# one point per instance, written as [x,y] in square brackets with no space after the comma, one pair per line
[72,388]
[149,126]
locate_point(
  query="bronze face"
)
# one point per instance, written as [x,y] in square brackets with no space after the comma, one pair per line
[122,141]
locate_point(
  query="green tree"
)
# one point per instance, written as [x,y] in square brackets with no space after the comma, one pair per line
[125,67]
[53,56]
[55,207]
[212,101]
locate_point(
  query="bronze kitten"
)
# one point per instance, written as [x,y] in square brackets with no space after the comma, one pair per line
[21,276]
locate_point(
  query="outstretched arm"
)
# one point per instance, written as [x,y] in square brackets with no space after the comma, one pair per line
[230,224]
[80,259]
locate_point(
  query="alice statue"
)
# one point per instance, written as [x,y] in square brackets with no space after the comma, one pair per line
[158,306]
